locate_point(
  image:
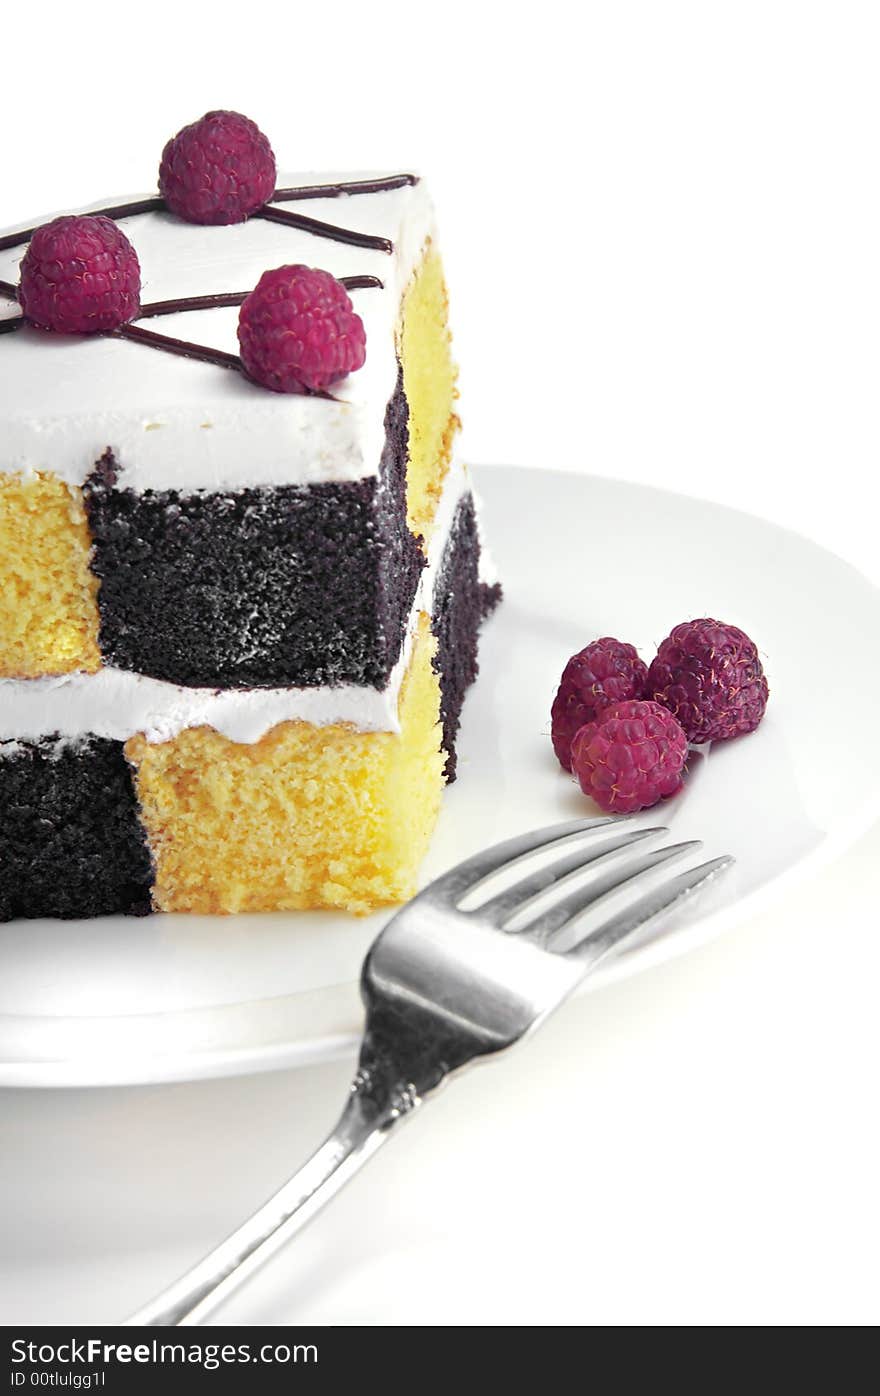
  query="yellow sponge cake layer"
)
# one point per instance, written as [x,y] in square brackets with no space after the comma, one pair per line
[307,817]
[429,382]
[48,610]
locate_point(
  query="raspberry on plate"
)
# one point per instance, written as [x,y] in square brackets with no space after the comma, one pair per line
[629,758]
[606,671]
[80,275]
[221,169]
[709,675]
[298,331]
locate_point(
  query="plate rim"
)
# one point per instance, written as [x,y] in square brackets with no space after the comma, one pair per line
[285,1053]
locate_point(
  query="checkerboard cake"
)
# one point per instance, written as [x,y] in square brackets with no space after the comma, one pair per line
[236,625]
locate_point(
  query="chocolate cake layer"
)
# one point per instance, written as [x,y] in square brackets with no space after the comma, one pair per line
[461,601]
[71,843]
[265,587]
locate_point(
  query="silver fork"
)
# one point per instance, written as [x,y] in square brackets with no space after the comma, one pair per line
[446,984]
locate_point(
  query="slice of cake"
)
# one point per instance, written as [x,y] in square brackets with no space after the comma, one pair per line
[240,576]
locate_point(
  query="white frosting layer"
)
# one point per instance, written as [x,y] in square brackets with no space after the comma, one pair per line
[177,423]
[116,704]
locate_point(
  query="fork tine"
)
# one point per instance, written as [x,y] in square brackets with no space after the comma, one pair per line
[558,874]
[604,879]
[467,876]
[596,945]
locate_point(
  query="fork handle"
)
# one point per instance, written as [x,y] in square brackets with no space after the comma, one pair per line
[360,1132]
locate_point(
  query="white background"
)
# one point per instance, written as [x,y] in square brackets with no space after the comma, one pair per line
[661,224]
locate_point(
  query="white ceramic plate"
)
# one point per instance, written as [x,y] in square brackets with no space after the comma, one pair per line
[122,1000]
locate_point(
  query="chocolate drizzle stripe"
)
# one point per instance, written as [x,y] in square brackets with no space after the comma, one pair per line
[351,186]
[362,283]
[228,298]
[324,230]
[154,204]
[183,347]
[215,302]
[185,350]
[112,211]
[8,290]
